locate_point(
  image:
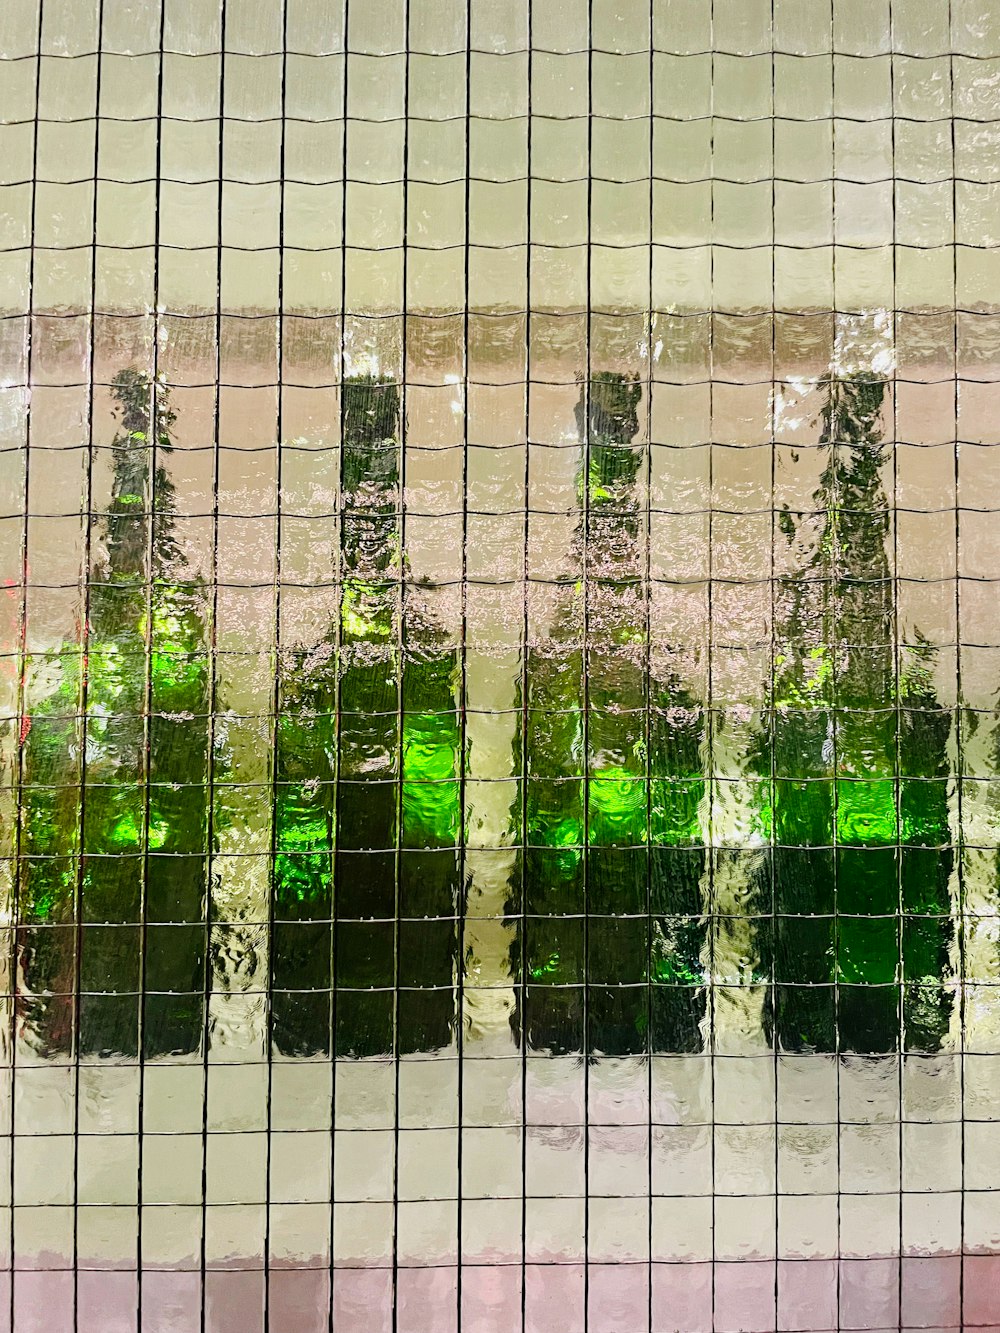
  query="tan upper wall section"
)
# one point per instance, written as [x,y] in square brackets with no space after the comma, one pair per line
[680,155]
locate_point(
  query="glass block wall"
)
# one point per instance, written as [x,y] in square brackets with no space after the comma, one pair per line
[499,744]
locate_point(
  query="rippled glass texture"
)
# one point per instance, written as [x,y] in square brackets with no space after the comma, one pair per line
[499,740]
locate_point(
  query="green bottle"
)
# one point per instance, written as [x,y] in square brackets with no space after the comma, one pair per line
[143,798]
[859,819]
[182,762]
[172,834]
[398,869]
[613,857]
[617,789]
[367,793]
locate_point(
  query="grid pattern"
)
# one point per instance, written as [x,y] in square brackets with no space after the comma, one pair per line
[500,666]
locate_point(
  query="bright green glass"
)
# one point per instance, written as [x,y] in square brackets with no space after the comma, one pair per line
[430,888]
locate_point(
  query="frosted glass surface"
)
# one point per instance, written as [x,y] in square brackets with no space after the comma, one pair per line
[499,770]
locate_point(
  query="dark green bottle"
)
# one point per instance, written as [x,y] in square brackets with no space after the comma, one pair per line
[617,790]
[144,811]
[398,862]
[173,832]
[859,821]
[182,762]
[367,809]
[613,857]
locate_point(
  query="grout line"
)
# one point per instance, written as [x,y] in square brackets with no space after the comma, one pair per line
[401,671]
[671,52]
[770,708]
[339,633]
[833,621]
[84,631]
[713,915]
[461,852]
[213,699]
[587,443]
[960,703]
[151,519]
[522,994]
[897,679]
[649,698]
[276,694]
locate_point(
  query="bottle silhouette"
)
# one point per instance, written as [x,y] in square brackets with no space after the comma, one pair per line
[368,773]
[612,863]
[139,819]
[397,864]
[859,822]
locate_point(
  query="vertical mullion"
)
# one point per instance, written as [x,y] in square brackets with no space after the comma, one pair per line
[461,906]
[770,711]
[522,960]
[84,676]
[276,691]
[213,666]
[143,901]
[339,638]
[21,661]
[831,620]
[647,597]
[585,445]
[896,676]
[710,654]
[959,692]
[401,601]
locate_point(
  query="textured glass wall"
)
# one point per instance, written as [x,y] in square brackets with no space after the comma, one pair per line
[500,665]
